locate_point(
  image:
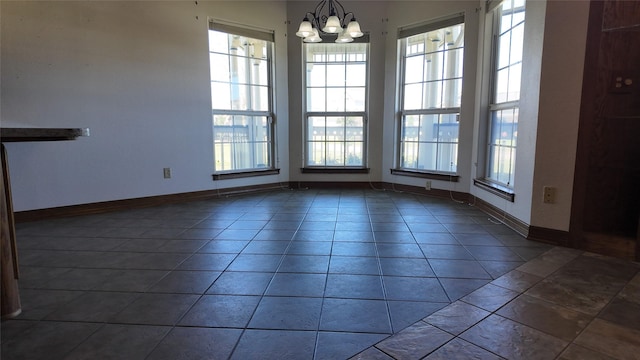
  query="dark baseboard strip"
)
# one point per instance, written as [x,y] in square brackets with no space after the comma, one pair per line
[515,224]
[115,205]
[549,236]
[439,193]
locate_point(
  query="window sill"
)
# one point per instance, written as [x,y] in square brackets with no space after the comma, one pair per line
[244,174]
[334,170]
[498,190]
[427,175]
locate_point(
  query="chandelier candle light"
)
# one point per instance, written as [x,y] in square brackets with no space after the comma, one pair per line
[335,23]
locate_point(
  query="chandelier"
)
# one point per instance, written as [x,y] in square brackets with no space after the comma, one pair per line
[335,23]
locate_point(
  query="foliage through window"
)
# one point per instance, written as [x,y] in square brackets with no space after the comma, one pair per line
[508,42]
[431,63]
[241,98]
[336,104]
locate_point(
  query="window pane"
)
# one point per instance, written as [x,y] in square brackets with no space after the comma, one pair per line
[316,75]
[447,157]
[336,82]
[336,75]
[427,156]
[517,42]
[239,68]
[316,129]
[219,65]
[220,96]
[452,93]
[504,45]
[432,95]
[335,99]
[413,97]
[413,69]
[514,82]
[354,128]
[316,99]
[502,86]
[428,127]
[259,72]
[355,99]
[356,75]
[354,153]
[431,143]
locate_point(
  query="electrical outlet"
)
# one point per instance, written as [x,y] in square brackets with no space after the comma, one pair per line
[427,185]
[167,173]
[549,194]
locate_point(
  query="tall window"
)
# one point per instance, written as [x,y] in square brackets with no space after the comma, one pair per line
[336,104]
[508,39]
[241,98]
[431,58]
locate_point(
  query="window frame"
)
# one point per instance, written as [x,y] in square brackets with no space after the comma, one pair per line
[403,34]
[307,115]
[495,186]
[268,37]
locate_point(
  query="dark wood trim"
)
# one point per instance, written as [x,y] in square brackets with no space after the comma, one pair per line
[244,174]
[588,111]
[512,222]
[426,175]
[355,185]
[495,189]
[108,206]
[333,170]
[439,193]
[549,236]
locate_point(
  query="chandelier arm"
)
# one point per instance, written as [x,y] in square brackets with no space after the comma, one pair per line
[317,12]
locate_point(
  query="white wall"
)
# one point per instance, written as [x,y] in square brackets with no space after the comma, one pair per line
[559,104]
[137,74]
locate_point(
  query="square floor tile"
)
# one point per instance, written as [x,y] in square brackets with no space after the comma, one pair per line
[287,313]
[47,340]
[115,341]
[255,262]
[291,284]
[355,315]
[354,286]
[462,269]
[217,262]
[241,283]
[304,264]
[406,267]
[196,343]
[354,265]
[94,307]
[613,340]
[445,251]
[406,313]
[457,317]
[156,309]
[185,282]
[458,349]
[275,345]
[421,289]
[552,319]
[340,345]
[221,311]
[414,342]
[504,337]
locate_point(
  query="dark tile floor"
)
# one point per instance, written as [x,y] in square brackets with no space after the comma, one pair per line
[314,274]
